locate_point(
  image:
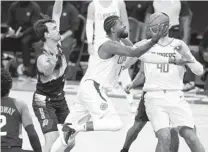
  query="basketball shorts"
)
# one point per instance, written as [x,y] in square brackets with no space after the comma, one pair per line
[141,111]
[50,111]
[92,103]
[167,109]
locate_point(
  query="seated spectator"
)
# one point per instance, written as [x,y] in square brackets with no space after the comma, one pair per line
[203,58]
[69,23]
[21,16]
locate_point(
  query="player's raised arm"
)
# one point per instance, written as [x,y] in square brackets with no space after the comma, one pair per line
[57,10]
[114,47]
[89,23]
[29,127]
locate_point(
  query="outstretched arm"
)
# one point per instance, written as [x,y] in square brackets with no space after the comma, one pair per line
[57,10]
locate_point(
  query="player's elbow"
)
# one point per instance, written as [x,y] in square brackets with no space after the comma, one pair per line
[199,71]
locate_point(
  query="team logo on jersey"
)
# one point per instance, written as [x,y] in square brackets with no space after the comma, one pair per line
[45,122]
[103,106]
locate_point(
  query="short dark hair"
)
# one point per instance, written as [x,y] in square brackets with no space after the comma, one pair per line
[6,82]
[109,22]
[40,28]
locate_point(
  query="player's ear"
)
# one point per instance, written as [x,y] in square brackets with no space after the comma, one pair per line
[112,30]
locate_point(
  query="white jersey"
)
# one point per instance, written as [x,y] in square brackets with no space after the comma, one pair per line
[105,71]
[101,13]
[163,76]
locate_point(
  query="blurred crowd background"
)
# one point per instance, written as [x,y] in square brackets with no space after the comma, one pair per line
[20,46]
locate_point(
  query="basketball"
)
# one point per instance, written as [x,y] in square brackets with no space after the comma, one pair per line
[156,19]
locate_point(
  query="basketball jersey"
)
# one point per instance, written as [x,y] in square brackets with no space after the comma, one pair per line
[53,84]
[11,123]
[101,13]
[172,8]
[105,71]
[163,76]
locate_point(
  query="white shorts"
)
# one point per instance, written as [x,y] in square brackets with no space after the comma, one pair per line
[92,103]
[168,109]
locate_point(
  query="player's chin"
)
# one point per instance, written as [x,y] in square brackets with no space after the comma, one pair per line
[124,34]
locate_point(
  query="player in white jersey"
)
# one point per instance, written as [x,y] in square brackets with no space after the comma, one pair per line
[93,111]
[98,11]
[164,99]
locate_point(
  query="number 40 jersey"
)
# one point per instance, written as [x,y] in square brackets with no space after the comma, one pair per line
[11,121]
[163,76]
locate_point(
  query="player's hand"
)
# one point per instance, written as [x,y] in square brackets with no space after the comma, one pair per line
[128,88]
[179,61]
[90,48]
[52,57]
[160,32]
[185,53]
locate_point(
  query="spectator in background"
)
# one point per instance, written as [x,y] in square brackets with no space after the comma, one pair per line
[203,58]
[69,23]
[21,16]
[180,19]
[138,10]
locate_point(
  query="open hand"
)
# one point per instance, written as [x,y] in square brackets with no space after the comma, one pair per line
[160,32]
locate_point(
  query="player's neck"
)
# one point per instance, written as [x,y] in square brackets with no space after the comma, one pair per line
[115,38]
[50,46]
[105,3]
[164,40]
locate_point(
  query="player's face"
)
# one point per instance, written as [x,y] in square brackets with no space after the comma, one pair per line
[53,32]
[120,29]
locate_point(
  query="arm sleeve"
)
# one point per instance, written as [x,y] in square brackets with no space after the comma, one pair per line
[196,67]
[33,137]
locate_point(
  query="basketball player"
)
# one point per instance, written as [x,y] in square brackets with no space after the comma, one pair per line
[14,114]
[164,99]
[98,11]
[141,116]
[93,111]
[49,102]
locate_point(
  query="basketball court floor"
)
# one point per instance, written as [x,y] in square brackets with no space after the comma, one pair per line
[113,141]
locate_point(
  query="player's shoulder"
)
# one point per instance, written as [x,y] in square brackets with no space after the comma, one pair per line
[177,42]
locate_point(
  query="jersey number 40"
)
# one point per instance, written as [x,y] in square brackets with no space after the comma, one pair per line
[164,68]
